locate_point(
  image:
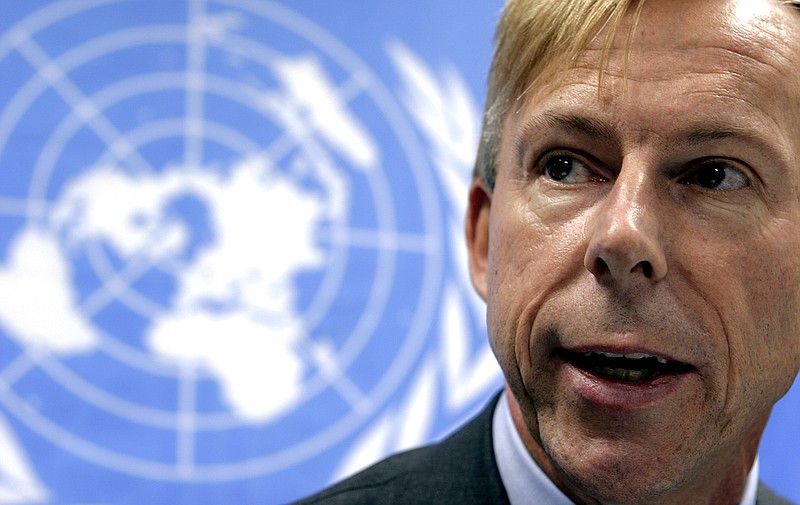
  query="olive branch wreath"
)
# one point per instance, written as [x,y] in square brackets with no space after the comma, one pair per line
[453,376]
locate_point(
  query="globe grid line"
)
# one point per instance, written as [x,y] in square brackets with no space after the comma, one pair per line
[195,84]
[35,86]
[90,112]
[105,401]
[16,369]
[116,283]
[388,237]
[57,80]
[302,134]
[138,82]
[415,243]
[339,380]
[141,35]
[186,429]
[19,207]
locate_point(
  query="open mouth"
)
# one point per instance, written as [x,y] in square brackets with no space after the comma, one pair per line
[630,367]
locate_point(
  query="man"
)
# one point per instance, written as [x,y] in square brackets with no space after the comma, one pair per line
[634,227]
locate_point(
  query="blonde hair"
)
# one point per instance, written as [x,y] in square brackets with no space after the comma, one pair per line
[534,39]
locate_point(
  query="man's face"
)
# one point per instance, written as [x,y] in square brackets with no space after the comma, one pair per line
[640,252]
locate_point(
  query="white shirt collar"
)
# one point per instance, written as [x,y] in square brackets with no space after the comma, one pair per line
[526,483]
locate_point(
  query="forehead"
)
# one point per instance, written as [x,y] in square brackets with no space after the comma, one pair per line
[738,23]
[729,57]
[767,32]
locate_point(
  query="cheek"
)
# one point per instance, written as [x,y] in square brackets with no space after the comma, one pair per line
[758,294]
[528,262]
[776,307]
[532,244]
[774,277]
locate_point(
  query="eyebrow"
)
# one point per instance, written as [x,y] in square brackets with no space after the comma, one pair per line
[712,133]
[702,135]
[577,124]
[593,128]
[581,125]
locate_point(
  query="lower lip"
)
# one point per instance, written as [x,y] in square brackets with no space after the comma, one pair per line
[623,396]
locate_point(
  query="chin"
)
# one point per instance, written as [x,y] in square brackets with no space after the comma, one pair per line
[618,472]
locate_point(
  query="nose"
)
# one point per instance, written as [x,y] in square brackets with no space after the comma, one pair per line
[625,245]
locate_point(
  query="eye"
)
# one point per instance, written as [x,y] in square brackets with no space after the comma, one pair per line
[717,174]
[567,169]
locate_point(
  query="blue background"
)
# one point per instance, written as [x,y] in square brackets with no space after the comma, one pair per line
[451,41]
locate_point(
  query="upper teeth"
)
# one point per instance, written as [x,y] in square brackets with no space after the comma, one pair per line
[631,355]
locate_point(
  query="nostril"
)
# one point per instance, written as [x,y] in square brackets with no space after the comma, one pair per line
[645,267]
[600,267]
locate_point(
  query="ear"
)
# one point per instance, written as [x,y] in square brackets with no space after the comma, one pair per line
[477,228]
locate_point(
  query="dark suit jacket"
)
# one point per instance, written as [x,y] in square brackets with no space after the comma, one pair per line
[459,470]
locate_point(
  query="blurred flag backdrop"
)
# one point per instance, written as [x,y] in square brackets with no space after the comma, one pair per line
[231,260]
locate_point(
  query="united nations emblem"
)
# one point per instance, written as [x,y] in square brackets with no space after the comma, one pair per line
[233,258]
